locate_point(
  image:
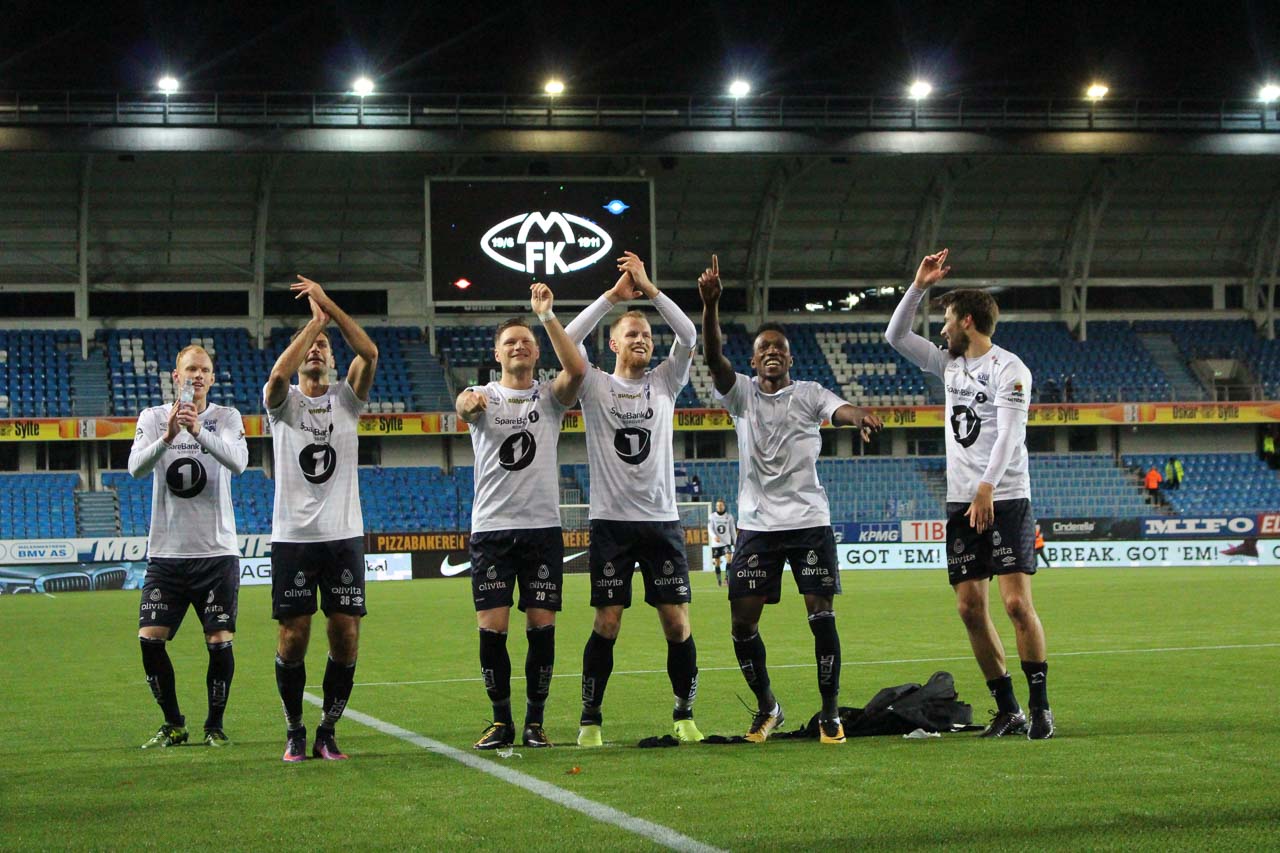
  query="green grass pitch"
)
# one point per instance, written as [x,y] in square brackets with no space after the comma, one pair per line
[1165,742]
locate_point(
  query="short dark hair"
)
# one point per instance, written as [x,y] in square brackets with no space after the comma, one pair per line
[302,329]
[977,304]
[508,324]
[771,327]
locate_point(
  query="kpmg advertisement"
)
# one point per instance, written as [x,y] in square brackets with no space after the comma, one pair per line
[491,239]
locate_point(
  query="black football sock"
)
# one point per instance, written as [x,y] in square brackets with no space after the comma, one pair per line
[1002,691]
[159,670]
[291,678]
[495,667]
[338,680]
[539,664]
[826,649]
[751,660]
[597,665]
[682,669]
[222,666]
[1037,673]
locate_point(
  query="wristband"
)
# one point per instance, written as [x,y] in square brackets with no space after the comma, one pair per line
[546,315]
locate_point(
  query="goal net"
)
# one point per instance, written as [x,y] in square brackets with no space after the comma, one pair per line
[576,524]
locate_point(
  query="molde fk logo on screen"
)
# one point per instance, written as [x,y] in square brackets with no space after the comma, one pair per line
[544,244]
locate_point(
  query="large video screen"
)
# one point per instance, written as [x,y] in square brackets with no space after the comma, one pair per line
[491,239]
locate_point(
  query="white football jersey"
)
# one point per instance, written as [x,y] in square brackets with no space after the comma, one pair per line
[191,511]
[975,390]
[721,532]
[517,478]
[315,443]
[629,426]
[778,446]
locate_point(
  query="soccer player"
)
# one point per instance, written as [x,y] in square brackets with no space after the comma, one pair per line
[317,529]
[990,528]
[515,519]
[191,450]
[634,520]
[783,512]
[721,533]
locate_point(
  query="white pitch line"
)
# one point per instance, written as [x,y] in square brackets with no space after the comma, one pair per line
[1166,649]
[657,833]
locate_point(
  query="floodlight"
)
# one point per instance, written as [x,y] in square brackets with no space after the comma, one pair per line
[739,88]
[554,87]
[1269,92]
[362,86]
[168,84]
[920,89]
[1096,91]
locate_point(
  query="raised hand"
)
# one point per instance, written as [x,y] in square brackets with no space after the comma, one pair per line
[709,287]
[188,419]
[623,290]
[174,426]
[318,313]
[933,269]
[306,287]
[540,298]
[630,263]
[472,403]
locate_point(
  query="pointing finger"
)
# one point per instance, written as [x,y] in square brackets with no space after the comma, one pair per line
[715,265]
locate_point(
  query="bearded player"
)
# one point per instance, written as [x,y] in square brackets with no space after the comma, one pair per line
[634,519]
[990,526]
[317,528]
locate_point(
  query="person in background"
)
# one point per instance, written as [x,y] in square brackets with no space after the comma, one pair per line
[1152,481]
[1040,554]
[1173,473]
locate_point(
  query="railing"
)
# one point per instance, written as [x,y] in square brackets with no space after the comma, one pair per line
[632,112]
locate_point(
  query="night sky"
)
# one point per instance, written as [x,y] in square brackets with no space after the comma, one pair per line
[1183,49]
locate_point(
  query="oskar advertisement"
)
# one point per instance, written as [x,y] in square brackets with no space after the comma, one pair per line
[490,239]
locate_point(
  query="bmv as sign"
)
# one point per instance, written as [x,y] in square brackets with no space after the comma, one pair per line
[555,246]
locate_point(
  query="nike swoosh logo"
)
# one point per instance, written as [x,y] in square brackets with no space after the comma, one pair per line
[448,568]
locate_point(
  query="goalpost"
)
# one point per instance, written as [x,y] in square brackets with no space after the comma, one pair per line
[576,524]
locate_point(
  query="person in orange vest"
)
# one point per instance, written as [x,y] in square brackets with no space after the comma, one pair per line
[1040,554]
[1152,481]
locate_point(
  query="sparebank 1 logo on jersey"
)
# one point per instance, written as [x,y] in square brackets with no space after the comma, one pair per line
[555,248]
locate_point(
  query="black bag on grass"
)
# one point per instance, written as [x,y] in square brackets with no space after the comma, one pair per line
[933,706]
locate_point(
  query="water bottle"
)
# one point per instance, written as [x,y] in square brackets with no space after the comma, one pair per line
[188,393]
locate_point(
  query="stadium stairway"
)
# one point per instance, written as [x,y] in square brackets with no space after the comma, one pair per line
[1165,353]
[427,381]
[91,384]
[97,513]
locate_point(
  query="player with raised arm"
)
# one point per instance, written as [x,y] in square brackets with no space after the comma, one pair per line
[783,514]
[721,534]
[634,520]
[191,448]
[990,527]
[317,529]
[515,519]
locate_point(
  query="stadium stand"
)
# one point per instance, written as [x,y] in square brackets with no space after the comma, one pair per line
[38,506]
[140,362]
[1217,483]
[35,372]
